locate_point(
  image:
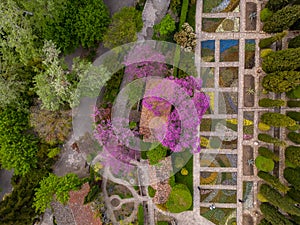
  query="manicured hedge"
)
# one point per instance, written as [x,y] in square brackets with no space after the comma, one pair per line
[295,93]
[285,203]
[292,154]
[277,120]
[294,137]
[151,191]
[266,102]
[275,5]
[269,139]
[266,42]
[273,181]
[283,19]
[264,164]
[283,60]
[295,42]
[281,81]
[265,152]
[184,10]
[292,175]
[294,194]
[180,199]
[272,215]
[293,104]
[265,14]
[294,115]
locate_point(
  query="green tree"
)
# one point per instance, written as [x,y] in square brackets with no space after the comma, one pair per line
[269,139]
[272,215]
[294,137]
[164,28]
[123,28]
[266,42]
[277,120]
[294,194]
[295,93]
[68,23]
[292,175]
[283,60]
[292,154]
[285,203]
[273,181]
[264,164]
[18,148]
[54,185]
[266,102]
[283,19]
[91,23]
[282,81]
[265,152]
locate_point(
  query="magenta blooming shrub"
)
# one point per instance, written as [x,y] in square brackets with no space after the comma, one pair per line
[150,63]
[178,138]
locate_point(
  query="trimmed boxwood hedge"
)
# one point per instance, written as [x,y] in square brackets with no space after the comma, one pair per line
[294,115]
[266,42]
[269,139]
[277,120]
[294,137]
[292,154]
[263,151]
[180,199]
[295,42]
[266,102]
[273,181]
[293,104]
[264,164]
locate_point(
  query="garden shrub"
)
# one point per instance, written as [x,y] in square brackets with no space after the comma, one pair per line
[266,42]
[265,52]
[184,172]
[282,81]
[265,152]
[292,154]
[18,148]
[292,175]
[180,199]
[264,164]
[266,102]
[175,6]
[285,203]
[294,115]
[156,154]
[275,5]
[263,127]
[163,29]
[293,104]
[294,137]
[294,128]
[141,215]
[273,181]
[123,28]
[277,120]
[272,215]
[269,139]
[265,14]
[283,60]
[294,194]
[295,93]
[295,42]
[283,19]
[151,191]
